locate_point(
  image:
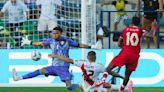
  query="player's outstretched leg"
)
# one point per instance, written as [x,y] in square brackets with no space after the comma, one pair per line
[103,81]
[17,77]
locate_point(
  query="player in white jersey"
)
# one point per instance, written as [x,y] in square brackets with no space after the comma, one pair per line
[91,71]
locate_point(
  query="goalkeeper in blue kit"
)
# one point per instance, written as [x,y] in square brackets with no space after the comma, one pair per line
[59,45]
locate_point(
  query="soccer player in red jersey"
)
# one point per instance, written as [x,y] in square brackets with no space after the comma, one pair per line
[129,41]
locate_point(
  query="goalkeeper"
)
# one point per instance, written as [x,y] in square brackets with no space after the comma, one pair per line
[60,46]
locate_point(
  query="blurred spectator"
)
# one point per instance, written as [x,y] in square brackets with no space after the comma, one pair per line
[31,4]
[17,12]
[47,20]
[99,35]
[99,32]
[149,21]
[120,7]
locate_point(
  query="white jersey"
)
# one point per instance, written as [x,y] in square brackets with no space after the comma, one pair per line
[93,70]
[15,12]
[48,8]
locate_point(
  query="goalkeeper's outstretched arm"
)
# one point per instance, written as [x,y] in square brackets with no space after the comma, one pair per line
[26,41]
[37,44]
[98,45]
[84,46]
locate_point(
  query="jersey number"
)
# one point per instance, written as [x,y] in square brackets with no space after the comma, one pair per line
[90,73]
[130,39]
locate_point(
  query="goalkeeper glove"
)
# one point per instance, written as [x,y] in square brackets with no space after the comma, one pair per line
[98,45]
[25,41]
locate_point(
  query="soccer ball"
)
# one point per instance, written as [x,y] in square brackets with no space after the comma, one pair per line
[35,55]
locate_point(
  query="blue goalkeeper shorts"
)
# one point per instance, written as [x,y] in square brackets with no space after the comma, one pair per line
[61,71]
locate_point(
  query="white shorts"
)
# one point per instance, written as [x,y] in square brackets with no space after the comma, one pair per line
[46,24]
[119,18]
[87,88]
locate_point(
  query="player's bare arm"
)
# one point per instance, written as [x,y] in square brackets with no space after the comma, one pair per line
[37,44]
[61,58]
[97,45]
[84,46]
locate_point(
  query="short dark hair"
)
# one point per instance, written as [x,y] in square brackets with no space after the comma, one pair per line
[58,28]
[136,21]
[91,53]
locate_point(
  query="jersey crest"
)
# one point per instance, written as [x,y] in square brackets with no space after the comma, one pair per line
[62,43]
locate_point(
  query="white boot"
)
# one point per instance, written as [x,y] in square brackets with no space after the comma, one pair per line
[15,76]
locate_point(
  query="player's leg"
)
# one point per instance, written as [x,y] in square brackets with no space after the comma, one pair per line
[126,79]
[118,61]
[18,35]
[11,33]
[116,21]
[44,71]
[125,20]
[146,24]
[113,79]
[65,76]
[115,74]
[131,65]
[17,77]
[148,42]
[155,39]
[154,28]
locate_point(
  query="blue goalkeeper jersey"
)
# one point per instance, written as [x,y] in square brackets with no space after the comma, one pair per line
[60,47]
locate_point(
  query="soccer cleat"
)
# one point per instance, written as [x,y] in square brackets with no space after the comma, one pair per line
[130,84]
[100,83]
[15,76]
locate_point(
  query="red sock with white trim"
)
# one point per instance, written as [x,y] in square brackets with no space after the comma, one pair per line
[105,75]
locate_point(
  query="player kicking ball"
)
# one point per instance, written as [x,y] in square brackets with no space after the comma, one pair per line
[59,45]
[91,71]
[130,42]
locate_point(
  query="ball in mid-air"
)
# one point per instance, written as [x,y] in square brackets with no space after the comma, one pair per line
[35,55]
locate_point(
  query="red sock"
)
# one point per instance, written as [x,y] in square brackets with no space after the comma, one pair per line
[105,75]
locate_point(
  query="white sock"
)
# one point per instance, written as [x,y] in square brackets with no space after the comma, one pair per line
[117,87]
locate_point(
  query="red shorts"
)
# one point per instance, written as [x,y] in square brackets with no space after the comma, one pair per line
[130,60]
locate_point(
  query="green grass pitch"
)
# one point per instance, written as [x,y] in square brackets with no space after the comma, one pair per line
[62,89]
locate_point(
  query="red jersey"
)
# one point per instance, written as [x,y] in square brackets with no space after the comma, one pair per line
[132,39]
